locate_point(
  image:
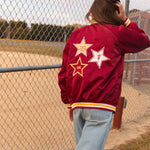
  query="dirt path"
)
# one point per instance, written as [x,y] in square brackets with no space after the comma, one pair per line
[134,128]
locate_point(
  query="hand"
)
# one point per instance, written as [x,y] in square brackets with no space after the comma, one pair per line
[70,112]
[121,13]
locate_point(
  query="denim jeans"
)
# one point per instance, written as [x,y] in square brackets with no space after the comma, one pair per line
[91,127]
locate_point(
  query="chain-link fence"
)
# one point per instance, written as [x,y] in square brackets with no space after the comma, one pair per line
[32,37]
[137,70]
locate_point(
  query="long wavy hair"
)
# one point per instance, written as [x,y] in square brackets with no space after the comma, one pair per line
[104,12]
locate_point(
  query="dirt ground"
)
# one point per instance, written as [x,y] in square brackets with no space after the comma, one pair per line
[33,116]
[144,88]
[135,127]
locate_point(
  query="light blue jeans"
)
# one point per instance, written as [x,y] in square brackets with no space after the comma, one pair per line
[91,127]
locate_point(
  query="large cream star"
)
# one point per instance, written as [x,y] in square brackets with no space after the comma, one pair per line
[98,57]
[82,47]
[78,67]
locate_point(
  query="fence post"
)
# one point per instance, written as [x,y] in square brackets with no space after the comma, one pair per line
[118,114]
[127,3]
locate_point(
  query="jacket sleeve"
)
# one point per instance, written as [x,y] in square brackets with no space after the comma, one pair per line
[62,74]
[131,38]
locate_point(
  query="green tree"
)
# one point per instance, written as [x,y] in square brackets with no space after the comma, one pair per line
[19,30]
[3,28]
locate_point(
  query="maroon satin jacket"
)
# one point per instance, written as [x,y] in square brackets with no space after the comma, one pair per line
[93,61]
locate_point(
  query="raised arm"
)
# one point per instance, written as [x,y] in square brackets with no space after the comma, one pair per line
[131,38]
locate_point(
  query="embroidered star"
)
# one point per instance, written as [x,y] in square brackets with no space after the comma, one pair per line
[82,47]
[78,67]
[98,57]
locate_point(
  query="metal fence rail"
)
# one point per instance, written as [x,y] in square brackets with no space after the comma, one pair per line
[30,68]
[32,37]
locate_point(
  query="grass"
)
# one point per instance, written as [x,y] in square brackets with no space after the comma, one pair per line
[142,143]
[41,48]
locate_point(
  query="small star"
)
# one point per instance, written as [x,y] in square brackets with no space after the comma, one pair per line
[78,67]
[98,57]
[82,47]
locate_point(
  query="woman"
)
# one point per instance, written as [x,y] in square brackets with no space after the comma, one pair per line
[92,69]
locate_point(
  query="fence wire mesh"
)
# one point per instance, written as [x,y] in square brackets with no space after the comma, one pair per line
[33,33]
[136,78]
[32,115]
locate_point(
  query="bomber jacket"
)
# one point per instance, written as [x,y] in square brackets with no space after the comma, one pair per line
[93,62]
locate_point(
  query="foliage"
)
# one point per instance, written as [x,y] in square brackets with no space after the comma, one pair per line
[3,28]
[44,32]
[39,32]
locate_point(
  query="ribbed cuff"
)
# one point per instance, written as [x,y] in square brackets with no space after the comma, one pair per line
[127,22]
[68,106]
